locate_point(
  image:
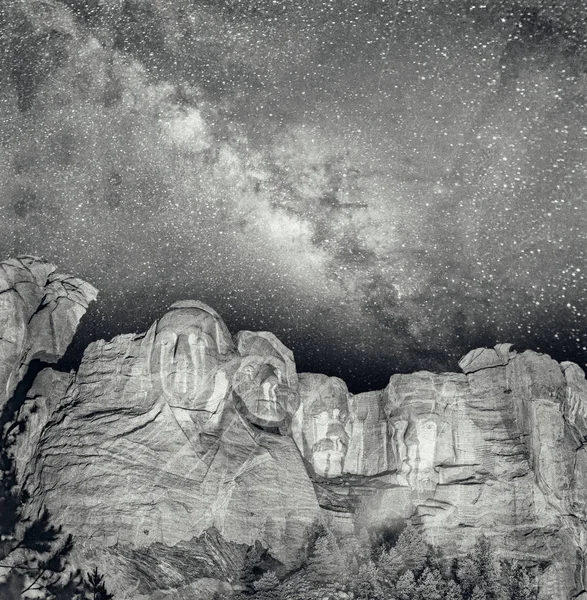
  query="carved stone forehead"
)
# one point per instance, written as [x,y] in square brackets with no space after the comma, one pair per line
[181,320]
[324,393]
[189,315]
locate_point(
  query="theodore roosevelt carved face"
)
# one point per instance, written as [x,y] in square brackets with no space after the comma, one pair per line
[324,417]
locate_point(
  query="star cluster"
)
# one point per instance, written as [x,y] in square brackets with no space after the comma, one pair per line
[384,185]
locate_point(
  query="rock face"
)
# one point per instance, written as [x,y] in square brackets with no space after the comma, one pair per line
[169,452]
[39,313]
[158,440]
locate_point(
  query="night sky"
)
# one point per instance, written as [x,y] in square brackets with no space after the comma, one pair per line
[384,184]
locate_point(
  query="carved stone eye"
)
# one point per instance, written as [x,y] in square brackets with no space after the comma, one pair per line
[168,339]
[249,372]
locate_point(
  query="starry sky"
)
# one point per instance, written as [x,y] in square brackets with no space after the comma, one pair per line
[384,184]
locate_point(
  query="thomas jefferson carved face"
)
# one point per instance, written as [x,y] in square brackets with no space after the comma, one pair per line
[262,388]
[190,345]
[265,385]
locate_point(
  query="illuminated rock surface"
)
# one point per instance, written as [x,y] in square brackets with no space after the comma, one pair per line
[151,452]
[39,313]
[169,452]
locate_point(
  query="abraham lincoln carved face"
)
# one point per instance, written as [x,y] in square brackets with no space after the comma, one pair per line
[191,345]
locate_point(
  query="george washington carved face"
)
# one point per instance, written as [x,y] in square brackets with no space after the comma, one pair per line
[191,344]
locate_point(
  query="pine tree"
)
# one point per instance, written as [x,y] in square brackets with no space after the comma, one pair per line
[430,585]
[268,581]
[96,586]
[478,593]
[525,586]
[405,588]
[517,583]
[366,585]
[356,551]
[256,562]
[36,559]
[453,591]
[267,586]
[467,574]
[413,548]
[486,567]
[327,563]
[389,567]
[315,531]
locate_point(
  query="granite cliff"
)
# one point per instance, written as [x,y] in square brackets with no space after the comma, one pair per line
[168,453]
[39,313]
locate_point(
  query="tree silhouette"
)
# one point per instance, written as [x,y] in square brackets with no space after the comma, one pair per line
[431,585]
[266,587]
[33,552]
[366,585]
[478,593]
[453,591]
[257,561]
[405,588]
[327,563]
[389,567]
[96,586]
[413,548]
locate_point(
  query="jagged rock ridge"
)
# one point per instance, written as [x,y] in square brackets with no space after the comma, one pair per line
[186,438]
[39,313]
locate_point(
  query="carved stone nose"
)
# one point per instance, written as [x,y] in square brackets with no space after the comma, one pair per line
[336,443]
[181,348]
[269,388]
[181,368]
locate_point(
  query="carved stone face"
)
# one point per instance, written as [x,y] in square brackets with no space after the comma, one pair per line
[329,451]
[265,385]
[191,344]
[416,444]
[428,431]
[323,416]
[260,385]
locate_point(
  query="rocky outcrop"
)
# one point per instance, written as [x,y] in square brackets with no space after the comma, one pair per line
[497,450]
[187,442]
[39,314]
[160,437]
